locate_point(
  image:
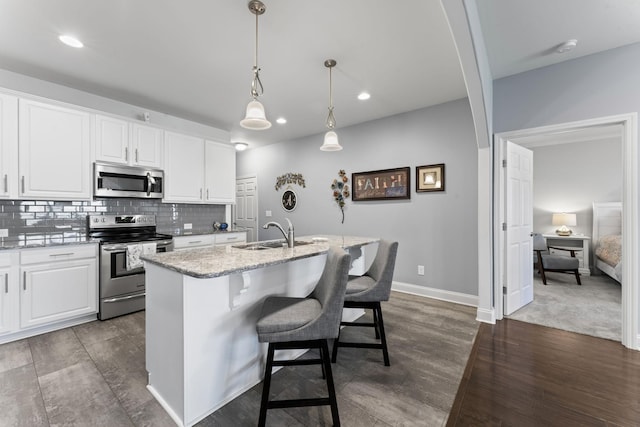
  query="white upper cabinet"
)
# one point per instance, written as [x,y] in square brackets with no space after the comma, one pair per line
[54,152]
[146,144]
[220,173]
[183,168]
[123,142]
[8,146]
[198,171]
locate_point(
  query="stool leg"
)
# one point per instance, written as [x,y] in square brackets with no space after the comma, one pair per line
[265,386]
[376,324]
[336,344]
[383,337]
[324,352]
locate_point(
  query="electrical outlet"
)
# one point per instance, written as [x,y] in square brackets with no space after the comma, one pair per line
[188,226]
[4,232]
[267,214]
[421,270]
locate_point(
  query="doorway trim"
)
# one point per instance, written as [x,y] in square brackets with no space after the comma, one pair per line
[630,223]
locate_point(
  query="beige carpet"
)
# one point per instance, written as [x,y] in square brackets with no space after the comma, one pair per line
[592,309]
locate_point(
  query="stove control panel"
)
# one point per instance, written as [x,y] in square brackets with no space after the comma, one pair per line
[110,221]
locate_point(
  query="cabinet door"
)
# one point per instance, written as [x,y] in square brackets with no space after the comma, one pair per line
[8,146]
[112,140]
[183,168]
[54,152]
[147,146]
[220,171]
[8,292]
[57,291]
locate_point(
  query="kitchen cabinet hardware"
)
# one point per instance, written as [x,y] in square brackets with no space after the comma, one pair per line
[6,283]
[23,184]
[195,241]
[24,280]
[126,154]
[201,193]
[6,186]
[207,194]
[64,254]
[136,155]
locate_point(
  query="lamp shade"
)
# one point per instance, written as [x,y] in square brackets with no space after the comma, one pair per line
[331,142]
[255,118]
[564,219]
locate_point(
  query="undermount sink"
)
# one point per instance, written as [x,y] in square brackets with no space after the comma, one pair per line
[258,246]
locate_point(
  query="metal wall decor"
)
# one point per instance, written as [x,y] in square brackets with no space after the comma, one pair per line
[290,178]
[341,190]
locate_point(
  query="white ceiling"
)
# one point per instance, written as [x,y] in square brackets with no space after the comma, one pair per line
[193,59]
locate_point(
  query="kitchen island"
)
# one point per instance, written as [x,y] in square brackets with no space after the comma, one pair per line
[202,305]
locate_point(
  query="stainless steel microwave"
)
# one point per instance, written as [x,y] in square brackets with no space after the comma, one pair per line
[127,181]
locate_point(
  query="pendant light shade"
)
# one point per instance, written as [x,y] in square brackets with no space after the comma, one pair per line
[330,138]
[331,142]
[255,117]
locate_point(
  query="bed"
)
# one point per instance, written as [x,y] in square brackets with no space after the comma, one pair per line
[607,238]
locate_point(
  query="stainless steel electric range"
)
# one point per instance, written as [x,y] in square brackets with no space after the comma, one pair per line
[122,285]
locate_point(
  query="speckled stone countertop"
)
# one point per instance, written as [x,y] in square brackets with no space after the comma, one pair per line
[219,261]
[42,240]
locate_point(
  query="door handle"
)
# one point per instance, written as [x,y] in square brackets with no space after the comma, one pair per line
[6,283]
[24,280]
[136,155]
[6,186]
[22,184]
[126,154]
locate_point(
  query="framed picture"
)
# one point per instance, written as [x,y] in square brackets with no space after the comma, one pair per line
[430,178]
[381,185]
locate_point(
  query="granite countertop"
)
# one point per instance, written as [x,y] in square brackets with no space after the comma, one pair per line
[220,261]
[41,240]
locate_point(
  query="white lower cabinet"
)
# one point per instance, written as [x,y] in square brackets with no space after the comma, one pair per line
[57,284]
[231,238]
[8,291]
[181,243]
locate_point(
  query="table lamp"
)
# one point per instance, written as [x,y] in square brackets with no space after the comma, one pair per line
[563,219]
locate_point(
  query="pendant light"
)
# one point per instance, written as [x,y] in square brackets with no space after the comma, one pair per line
[330,138]
[255,117]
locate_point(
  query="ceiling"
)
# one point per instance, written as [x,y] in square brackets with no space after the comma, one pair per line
[193,59]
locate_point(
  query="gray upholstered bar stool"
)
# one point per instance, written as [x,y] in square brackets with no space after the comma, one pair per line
[304,323]
[367,291]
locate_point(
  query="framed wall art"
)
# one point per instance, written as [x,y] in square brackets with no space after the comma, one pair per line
[430,178]
[384,184]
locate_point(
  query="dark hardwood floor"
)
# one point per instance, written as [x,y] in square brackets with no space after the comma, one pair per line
[520,374]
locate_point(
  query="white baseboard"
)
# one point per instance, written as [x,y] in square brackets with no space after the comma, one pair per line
[486,316]
[424,291]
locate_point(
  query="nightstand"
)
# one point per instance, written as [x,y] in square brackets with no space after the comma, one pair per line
[576,244]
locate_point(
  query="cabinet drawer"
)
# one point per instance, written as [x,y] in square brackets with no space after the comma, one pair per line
[196,241]
[226,239]
[59,253]
[5,258]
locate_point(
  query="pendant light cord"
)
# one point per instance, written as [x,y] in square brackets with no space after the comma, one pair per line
[256,84]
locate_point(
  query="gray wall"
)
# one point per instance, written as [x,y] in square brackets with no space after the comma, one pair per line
[570,177]
[437,230]
[597,85]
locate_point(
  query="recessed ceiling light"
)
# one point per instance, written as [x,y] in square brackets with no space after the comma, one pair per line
[567,46]
[281,120]
[240,146]
[70,41]
[364,96]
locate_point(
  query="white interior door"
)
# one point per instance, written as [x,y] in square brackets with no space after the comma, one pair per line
[518,277]
[246,209]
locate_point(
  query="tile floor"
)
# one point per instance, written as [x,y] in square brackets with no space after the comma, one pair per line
[94,375]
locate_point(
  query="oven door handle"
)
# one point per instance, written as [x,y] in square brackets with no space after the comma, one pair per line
[118,299]
[114,248]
